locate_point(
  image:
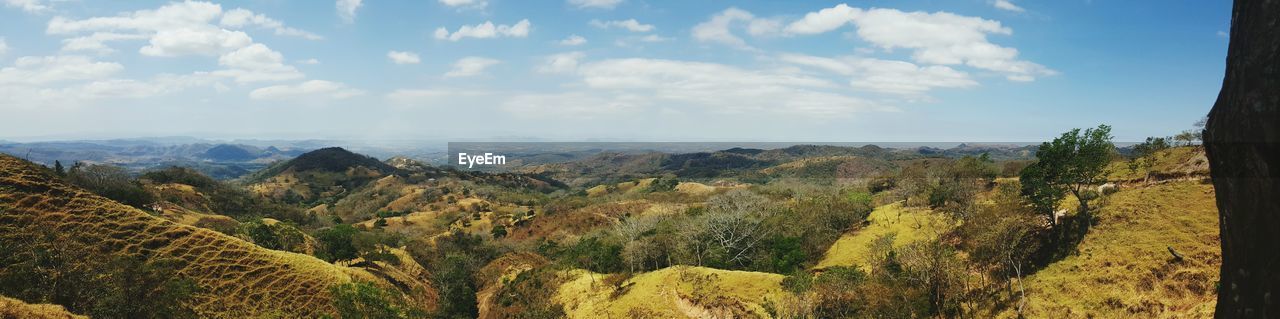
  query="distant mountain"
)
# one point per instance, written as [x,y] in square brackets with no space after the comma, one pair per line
[228,153]
[223,161]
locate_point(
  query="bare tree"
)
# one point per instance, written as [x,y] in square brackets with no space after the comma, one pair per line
[734,222]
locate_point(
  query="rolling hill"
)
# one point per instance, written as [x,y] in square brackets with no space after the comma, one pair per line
[233,278]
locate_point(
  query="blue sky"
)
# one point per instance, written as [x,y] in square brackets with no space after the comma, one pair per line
[961,70]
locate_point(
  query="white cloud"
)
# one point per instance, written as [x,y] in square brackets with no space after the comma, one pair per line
[1223,34]
[573,40]
[347,9]
[30,97]
[721,88]
[426,97]
[470,66]
[629,24]
[170,16]
[239,18]
[579,105]
[32,70]
[314,89]
[562,63]
[400,57]
[4,46]
[309,61]
[654,38]
[824,20]
[195,41]
[1006,5]
[948,39]
[96,42]
[29,6]
[940,38]
[180,28]
[717,29]
[485,30]
[478,4]
[256,63]
[599,4]
[887,76]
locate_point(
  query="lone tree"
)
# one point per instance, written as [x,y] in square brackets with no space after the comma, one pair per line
[1071,163]
[1242,141]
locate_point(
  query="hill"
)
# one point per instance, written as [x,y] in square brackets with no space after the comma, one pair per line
[42,216]
[322,175]
[1123,266]
[906,225]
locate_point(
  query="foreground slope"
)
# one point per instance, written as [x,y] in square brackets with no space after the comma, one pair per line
[1123,267]
[674,292]
[13,308]
[235,278]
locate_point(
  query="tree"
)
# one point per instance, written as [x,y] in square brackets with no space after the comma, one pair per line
[109,181]
[1144,154]
[57,169]
[1242,142]
[1073,163]
[735,224]
[362,299]
[336,243]
[1187,138]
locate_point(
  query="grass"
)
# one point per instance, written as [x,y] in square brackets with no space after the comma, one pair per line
[907,224]
[235,278]
[674,292]
[13,308]
[1123,267]
[1175,162]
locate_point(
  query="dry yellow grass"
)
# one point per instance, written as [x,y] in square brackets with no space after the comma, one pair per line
[236,278]
[1123,268]
[13,308]
[669,293]
[694,188]
[908,225]
[1177,162]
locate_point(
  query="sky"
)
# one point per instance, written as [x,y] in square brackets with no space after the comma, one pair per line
[640,70]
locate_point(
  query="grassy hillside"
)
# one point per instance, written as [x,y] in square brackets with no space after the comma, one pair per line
[233,278]
[13,308]
[1177,162]
[1123,267]
[675,292]
[907,225]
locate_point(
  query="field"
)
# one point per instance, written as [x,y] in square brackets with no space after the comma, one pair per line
[1124,267]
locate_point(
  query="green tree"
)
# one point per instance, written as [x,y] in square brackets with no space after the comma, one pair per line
[337,243]
[1071,163]
[365,300]
[58,169]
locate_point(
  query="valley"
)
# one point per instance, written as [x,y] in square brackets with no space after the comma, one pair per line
[802,231]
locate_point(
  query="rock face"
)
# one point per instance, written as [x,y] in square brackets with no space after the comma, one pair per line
[1242,140]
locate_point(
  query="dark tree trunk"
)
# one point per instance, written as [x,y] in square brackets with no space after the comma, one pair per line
[1242,140]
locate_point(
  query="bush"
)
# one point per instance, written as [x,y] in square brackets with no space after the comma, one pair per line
[365,300]
[111,182]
